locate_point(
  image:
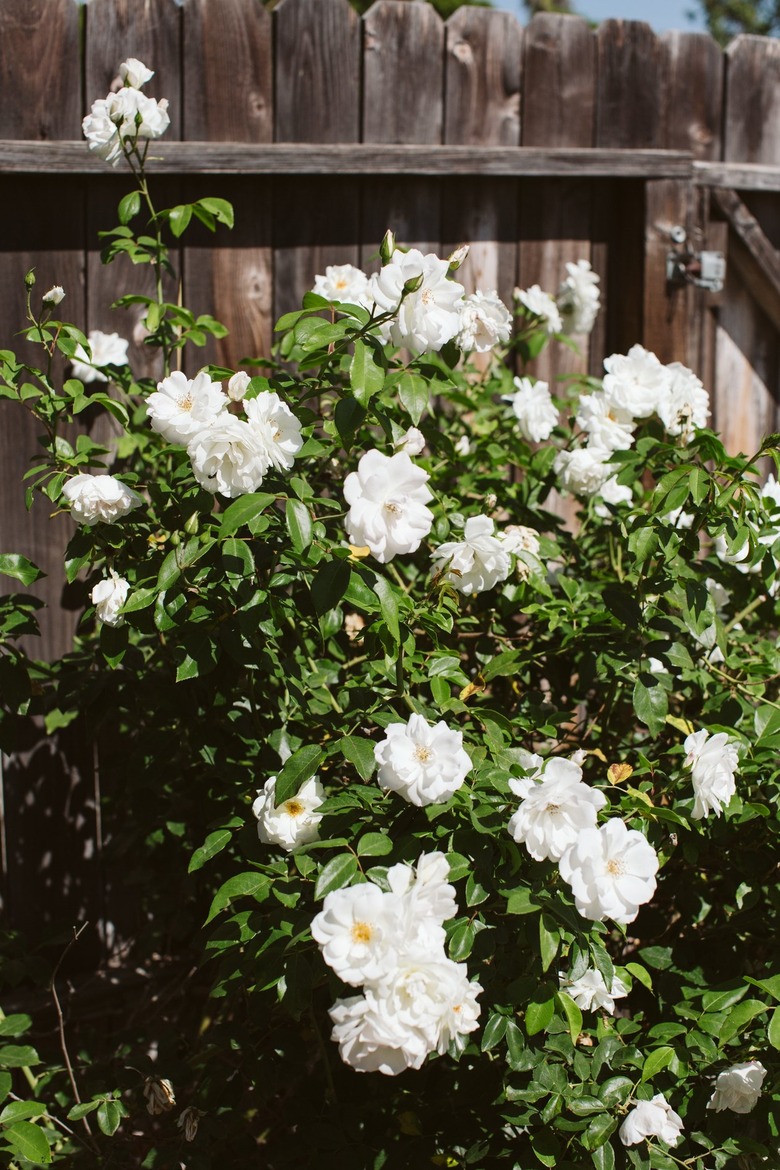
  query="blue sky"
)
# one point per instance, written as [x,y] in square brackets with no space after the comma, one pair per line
[661,14]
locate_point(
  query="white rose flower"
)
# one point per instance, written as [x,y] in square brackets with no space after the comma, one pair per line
[578,298]
[425,764]
[540,304]
[154,119]
[607,425]
[181,407]
[276,427]
[228,457]
[294,821]
[427,318]
[108,597]
[476,563]
[554,809]
[583,471]
[713,760]
[516,538]
[360,931]
[106,349]
[771,492]
[589,992]
[534,409]
[387,498]
[344,284]
[636,382]
[612,492]
[99,498]
[426,887]
[684,404]
[738,1088]
[654,1118]
[485,322]
[370,1041]
[611,871]
[101,132]
[412,442]
[463,446]
[238,385]
[429,998]
[55,294]
[134,73]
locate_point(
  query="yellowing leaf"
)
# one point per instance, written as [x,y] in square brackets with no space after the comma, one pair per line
[617,773]
[683,725]
[599,753]
[640,796]
[472,688]
[359,550]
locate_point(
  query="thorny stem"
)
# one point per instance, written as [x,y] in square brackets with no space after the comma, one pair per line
[140,175]
[61,1021]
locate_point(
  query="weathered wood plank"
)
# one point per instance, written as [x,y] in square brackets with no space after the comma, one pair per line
[739,176]
[483,65]
[152,33]
[315,158]
[402,43]
[753,255]
[229,51]
[317,96]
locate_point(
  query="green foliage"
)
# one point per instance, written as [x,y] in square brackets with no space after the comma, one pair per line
[726,19]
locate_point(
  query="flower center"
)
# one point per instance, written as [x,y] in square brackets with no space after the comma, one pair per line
[277,436]
[422,753]
[185,402]
[552,808]
[293,808]
[361,932]
[615,867]
[426,296]
[392,508]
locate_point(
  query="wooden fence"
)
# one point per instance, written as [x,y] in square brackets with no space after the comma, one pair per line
[537,146]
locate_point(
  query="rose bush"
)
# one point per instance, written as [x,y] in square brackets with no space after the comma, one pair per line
[449,831]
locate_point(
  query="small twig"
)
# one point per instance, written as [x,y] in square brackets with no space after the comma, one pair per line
[61,1020]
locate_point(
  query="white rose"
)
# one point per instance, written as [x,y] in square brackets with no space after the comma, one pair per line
[55,294]
[426,319]
[612,492]
[238,385]
[607,425]
[294,821]
[425,887]
[684,403]
[425,764]
[485,322]
[463,446]
[412,442]
[276,427]
[154,116]
[583,471]
[713,761]
[101,133]
[516,538]
[369,1040]
[108,597]
[554,809]
[181,406]
[476,563]
[738,1088]
[134,73]
[359,930]
[611,872]
[590,993]
[387,498]
[343,283]
[578,298]
[635,382]
[228,457]
[534,409]
[540,304]
[430,1001]
[99,498]
[654,1118]
[106,349]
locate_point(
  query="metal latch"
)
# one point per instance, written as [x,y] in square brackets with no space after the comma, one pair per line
[686,266]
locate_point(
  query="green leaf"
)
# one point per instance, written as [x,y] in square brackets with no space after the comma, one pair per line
[214,844]
[237,558]
[20,1110]
[598,1131]
[179,218]
[29,1141]
[299,525]
[494,1032]
[220,208]
[329,585]
[658,1059]
[651,705]
[129,206]
[641,974]
[572,1012]
[299,768]
[243,511]
[360,753]
[241,886]
[388,604]
[603,1157]
[349,414]
[521,901]
[18,567]
[79,1111]
[773,1031]
[461,941]
[413,395]
[5,1085]
[336,873]
[366,378]
[549,940]
[18,1056]
[15,1025]
[374,845]
[736,1020]
[538,1014]
[109,1116]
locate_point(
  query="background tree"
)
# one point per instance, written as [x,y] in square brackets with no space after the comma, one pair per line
[727,18]
[534,6]
[445,8]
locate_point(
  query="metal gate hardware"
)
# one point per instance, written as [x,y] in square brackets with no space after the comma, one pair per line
[684,266]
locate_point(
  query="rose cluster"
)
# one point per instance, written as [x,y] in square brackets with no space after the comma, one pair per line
[125,115]
[391,942]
